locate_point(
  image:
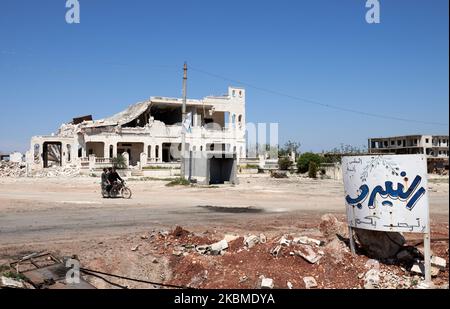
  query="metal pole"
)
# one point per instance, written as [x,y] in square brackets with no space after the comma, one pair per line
[352,240]
[183,120]
[427,249]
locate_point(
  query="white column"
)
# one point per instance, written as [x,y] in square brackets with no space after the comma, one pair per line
[160,153]
[106,150]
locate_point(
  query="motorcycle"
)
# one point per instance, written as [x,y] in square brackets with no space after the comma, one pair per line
[119,189]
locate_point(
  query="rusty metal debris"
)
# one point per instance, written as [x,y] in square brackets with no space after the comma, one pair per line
[45,271]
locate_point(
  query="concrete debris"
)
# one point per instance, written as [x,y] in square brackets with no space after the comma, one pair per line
[57,171]
[330,226]
[289,285]
[300,240]
[434,271]
[276,250]
[135,248]
[372,279]
[218,247]
[438,262]
[372,264]
[308,254]
[284,241]
[251,241]
[310,282]
[306,241]
[267,283]
[203,249]
[213,249]
[380,245]
[177,252]
[11,283]
[336,249]
[243,279]
[423,286]
[389,280]
[418,269]
[230,237]
[262,238]
[164,233]
[12,169]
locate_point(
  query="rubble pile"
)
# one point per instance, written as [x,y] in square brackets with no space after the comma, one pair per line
[57,172]
[303,260]
[11,169]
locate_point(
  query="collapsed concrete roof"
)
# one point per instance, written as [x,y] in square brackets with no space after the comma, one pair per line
[124,117]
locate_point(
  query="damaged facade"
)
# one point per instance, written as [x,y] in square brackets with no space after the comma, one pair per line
[147,133]
[435,147]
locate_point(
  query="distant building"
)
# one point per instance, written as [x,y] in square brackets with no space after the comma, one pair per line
[146,134]
[16,157]
[435,147]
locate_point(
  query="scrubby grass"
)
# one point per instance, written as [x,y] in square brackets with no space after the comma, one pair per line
[157,168]
[14,275]
[249,166]
[149,179]
[178,182]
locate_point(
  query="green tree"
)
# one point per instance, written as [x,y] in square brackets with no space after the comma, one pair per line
[304,160]
[312,169]
[288,148]
[284,164]
[119,162]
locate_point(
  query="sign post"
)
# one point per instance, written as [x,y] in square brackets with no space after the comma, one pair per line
[388,193]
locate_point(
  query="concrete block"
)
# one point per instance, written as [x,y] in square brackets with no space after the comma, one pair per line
[267,283]
[310,282]
[438,262]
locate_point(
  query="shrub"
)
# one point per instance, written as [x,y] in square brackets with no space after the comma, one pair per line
[312,170]
[278,174]
[304,160]
[119,162]
[284,164]
[178,182]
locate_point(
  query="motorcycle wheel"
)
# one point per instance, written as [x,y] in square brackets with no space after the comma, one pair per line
[126,193]
[105,194]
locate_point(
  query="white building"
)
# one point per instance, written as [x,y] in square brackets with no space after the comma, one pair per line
[147,133]
[435,147]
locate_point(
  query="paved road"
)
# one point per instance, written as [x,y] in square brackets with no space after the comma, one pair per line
[48,210]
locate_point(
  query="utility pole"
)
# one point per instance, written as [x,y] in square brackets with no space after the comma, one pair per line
[183,129]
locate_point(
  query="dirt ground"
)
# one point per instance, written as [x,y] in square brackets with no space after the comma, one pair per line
[68,217]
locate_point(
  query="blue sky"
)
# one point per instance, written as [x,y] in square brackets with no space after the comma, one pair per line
[323,50]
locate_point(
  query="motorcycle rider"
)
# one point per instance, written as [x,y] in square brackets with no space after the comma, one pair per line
[113,177]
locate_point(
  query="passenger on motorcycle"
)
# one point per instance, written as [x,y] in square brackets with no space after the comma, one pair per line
[113,177]
[105,181]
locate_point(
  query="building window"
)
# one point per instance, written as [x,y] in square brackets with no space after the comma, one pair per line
[427,140]
[37,153]
[392,143]
[69,153]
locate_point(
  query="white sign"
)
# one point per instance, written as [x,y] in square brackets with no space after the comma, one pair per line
[387,193]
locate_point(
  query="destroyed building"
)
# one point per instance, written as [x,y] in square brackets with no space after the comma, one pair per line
[435,147]
[146,134]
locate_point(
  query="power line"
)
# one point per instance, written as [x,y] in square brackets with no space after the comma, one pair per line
[95,272]
[313,102]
